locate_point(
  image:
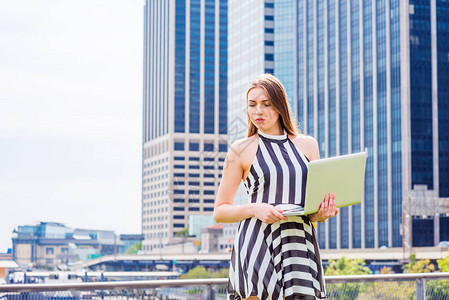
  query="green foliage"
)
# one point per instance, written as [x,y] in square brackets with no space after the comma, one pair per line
[345,266]
[202,272]
[388,290]
[437,289]
[197,272]
[222,273]
[443,264]
[418,266]
[183,232]
[134,248]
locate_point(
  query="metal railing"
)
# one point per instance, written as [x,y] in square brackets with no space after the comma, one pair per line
[429,286]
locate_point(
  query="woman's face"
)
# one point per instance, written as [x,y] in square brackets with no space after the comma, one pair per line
[261,113]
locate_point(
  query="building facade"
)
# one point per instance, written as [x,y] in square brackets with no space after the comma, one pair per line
[251,53]
[184,114]
[371,75]
[50,244]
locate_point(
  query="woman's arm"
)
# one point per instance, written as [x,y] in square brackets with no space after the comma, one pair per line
[225,211]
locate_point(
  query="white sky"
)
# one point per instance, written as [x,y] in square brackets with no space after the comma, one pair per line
[70,114]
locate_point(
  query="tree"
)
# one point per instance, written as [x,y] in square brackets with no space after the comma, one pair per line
[197,272]
[222,273]
[346,266]
[183,232]
[443,264]
[418,266]
[134,248]
[202,272]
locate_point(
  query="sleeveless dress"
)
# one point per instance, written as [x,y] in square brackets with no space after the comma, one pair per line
[281,260]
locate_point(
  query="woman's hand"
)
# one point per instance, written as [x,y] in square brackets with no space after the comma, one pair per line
[267,213]
[327,209]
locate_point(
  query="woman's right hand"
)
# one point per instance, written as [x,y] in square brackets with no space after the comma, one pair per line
[267,213]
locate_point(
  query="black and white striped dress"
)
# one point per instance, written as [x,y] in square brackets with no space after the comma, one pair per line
[279,260]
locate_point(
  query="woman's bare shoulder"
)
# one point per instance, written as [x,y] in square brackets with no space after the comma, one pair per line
[307,144]
[242,145]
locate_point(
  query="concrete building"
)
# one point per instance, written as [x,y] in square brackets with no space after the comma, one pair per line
[372,75]
[251,50]
[50,244]
[184,114]
[210,237]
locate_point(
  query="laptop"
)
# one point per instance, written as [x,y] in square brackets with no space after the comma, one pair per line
[342,175]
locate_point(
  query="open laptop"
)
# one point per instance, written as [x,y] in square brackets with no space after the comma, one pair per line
[342,175]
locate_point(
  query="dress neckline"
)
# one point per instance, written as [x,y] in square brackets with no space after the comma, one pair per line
[272,136]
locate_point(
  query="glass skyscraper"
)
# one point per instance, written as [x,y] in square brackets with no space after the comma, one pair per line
[372,75]
[184,114]
[251,53]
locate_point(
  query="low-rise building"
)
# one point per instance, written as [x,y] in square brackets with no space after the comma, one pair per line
[210,237]
[50,244]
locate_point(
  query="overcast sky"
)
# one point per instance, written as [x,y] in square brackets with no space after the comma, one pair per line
[70,114]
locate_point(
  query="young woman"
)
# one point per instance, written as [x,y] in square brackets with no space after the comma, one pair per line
[274,256]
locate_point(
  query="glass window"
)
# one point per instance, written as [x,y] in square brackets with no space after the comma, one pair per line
[194,146]
[223,147]
[208,147]
[179,146]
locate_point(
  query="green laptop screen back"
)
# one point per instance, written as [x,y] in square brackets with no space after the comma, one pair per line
[342,175]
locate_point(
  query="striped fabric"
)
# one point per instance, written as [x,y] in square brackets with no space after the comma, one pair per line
[281,260]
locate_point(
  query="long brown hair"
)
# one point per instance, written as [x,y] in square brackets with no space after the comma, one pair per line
[278,98]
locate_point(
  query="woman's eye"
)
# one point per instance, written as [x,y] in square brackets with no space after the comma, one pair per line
[251,105]
[267,105]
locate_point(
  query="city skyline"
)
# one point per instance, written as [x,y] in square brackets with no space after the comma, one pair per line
[70,117]
[72,111]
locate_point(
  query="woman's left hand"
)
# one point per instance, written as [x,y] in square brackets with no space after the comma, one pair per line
[327,209]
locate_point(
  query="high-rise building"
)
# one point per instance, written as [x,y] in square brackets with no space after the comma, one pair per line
[184,114]
[373,75]
[251,49]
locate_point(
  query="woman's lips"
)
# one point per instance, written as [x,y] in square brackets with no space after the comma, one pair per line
[260,120]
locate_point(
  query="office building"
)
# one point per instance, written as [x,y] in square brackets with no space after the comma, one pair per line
[373,75]
[251,49]
[50,244]
[184,114]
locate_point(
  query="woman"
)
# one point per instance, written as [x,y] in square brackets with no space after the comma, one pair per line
[274,256]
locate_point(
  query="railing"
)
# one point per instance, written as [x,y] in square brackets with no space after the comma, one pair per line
[425,286]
